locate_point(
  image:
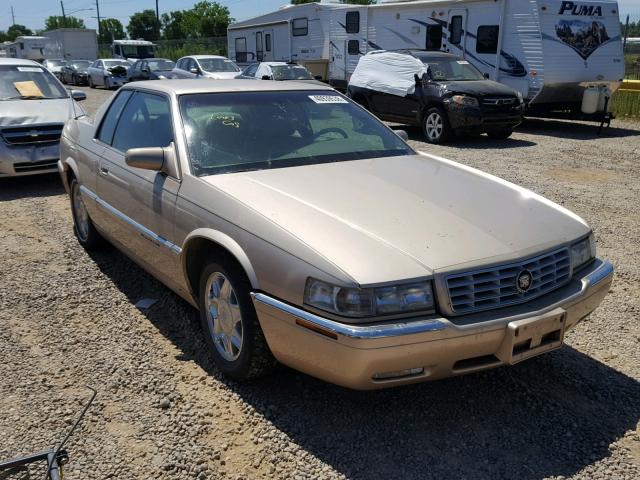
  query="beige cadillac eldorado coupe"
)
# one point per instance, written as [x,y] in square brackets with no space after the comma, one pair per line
[307,232]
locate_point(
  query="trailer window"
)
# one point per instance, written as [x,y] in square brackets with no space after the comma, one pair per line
[455,30]
[241,49]
[353,47]
[353,22]
[434,37]
[259,48]
[267,42]
[300,27]
[487,39]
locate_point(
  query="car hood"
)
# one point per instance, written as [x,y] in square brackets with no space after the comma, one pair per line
[406,217]
[222,75]
[26,112]
[479,88]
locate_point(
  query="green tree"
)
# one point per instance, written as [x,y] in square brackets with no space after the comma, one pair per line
[17,30]
[110,29]
[55,21]
[144,25]
[3,36]
[172,25]
[205,19]
[350,2]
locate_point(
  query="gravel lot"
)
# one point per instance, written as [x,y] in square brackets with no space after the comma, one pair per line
[67,319]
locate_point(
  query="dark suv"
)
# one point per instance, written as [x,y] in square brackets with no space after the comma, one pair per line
[447,95]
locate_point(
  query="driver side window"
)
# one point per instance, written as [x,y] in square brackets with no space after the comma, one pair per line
[145,122]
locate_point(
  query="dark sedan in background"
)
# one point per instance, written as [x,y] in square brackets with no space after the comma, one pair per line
[151,69]
[75,72]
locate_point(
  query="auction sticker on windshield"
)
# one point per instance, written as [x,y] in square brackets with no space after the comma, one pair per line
[30,69]
[327,99]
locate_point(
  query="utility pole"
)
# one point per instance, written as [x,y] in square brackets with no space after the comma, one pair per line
[157,12]
[98,14]
[626,34]
[63,15]
[13,17]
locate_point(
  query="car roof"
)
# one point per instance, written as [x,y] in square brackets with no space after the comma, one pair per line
[18,61]
[275,64]
[186,86]
[118,59]
[201,57]
[427,53]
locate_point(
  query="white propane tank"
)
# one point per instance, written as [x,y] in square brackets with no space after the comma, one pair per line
[604,92]
[590,100]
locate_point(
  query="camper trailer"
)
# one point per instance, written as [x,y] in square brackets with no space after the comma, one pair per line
[562,56]
[28,47]
[132,50]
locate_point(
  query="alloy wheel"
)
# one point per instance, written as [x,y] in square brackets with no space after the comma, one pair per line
[434,126]
[224,318]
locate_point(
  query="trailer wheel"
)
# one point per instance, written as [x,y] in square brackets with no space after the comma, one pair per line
[435,126]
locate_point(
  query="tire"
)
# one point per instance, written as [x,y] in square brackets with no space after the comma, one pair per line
[106,83]
[500,134]
[435,126]
[91,84]
[225,291]
[83,227]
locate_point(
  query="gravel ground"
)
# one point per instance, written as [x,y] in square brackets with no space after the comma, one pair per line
[67,319]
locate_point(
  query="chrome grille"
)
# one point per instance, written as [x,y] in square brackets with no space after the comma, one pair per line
[31,134]
[496,287]
[499,101]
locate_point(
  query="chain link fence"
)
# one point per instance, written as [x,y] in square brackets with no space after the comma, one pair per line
[174,49]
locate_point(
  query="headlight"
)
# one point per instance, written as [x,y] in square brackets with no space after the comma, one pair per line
[366,302]
[161,77]
[583,252]
[465,100]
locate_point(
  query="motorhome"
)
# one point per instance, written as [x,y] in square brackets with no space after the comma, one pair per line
[558,54]
[132,50]
[30,47]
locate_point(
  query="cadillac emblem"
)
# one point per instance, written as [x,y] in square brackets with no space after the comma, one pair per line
[524,279]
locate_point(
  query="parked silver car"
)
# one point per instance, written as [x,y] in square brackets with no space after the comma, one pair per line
[33,108]
[108,73]
[54,65]
[206,66]
[306,230]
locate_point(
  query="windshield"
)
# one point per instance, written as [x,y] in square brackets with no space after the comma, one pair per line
[451,69]
[55,63]
[155,65]
[290,72]
[218,65]
[28,82]
[81,65]
[235,132]
[115,63]
[136,51]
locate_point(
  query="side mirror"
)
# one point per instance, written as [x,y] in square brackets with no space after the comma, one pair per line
[402,134]
[486,75]
[266,77]
[195,70]
[78,95]
[149,158]
[145,70]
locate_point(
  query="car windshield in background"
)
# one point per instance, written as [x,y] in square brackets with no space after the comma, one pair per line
[137,51]
[81,65]
[218,65]
[56,63]
[29,82]
[235,132]
[160,65]
[290,72]
[451,69]
[116,63]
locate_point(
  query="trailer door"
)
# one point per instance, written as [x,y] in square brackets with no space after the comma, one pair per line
[268,45]
[457,31]
[355,24]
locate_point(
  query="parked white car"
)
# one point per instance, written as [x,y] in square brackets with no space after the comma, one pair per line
[54,65]
[277,71]
[108,73]
[206,66]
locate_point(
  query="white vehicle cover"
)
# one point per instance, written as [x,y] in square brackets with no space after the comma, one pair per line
[388,72]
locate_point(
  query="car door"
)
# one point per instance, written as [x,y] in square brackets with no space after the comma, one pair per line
[135,71]
[141,202]
[250,71]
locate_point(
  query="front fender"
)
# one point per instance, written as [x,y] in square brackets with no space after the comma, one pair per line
[64,165]
[226,242]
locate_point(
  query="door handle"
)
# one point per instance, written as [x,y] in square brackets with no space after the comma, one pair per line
[104,170]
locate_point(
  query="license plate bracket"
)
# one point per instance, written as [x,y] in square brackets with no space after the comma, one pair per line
[532,336]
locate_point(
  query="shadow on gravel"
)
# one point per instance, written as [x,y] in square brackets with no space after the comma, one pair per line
[479,142]
[30,187]
[550,416]
[573,130]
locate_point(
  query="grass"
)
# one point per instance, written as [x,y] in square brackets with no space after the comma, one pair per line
[626,103]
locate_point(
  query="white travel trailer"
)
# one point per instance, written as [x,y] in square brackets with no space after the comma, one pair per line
[132,50]
[555,52]
[30,47]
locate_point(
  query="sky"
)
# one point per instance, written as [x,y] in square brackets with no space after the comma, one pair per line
[32,13]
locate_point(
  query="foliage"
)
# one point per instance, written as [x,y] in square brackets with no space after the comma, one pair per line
[17,30]
[351,2]
[626,103]
[56,21]
[144,25]
[205,19]
[634,29]
[110,29]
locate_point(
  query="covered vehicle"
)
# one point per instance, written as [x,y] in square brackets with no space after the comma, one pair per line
[33,109]
[76,72]
[152,69]
[306,230]
[54,65]
[108,73]
[442,93]
[277,71]
[206,66]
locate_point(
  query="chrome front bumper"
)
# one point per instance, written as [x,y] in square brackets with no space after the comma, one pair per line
[363,356]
